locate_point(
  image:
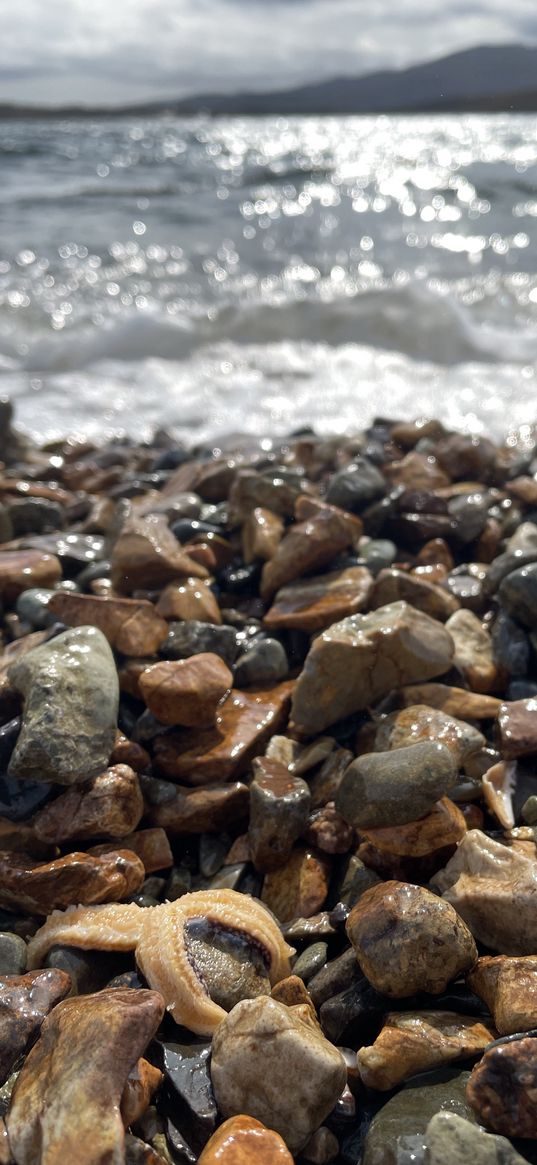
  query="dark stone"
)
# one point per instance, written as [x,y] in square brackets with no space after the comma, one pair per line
[354,1015]
[35,516]
[518,594]
[398,1129]
[356,486]
[188,1088]
[13,954]
[310,962]
[510,646]
[504,565]
[32,607]
[88,970]
[338,975]
[240,580]
[193,637]
[356,879]
[265,662]
[470,512]
[25,1000]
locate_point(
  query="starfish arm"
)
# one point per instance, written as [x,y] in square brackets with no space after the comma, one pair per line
[114,927]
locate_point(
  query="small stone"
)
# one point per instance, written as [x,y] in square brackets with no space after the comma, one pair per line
[416,1041]
[131,626]
[529,810]
[517,728]
[518,594]
[272,492]
[325,782]
[21,569]
[322,1147]
[338,975]
[315,603]
[186,1070]
[357,878]
[190,599]
[194,638]
[474,652]
[392,788]
[509,989]
[438,831]
[76,878]
[242,1140]
[311,961]
[91,1044]
[356,485]
[32,607]
[137,1152]
[110,805]
[453,701]
[279,808]
[502,1088]
[395,918]
[299,888]
[262,533]
[393,585]
[399,1128]
[71,696]
[25,1000]
[146,555]
[315,1069]
[264,663]
[466,457]
[142,1081]
[205,810]
[451,1140]
[186,691]
[13,954]
[418,723]
[319,534]
[328,830]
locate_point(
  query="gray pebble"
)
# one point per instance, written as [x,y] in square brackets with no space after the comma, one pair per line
[13,954]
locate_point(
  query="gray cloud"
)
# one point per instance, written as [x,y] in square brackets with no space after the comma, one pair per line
[122,50]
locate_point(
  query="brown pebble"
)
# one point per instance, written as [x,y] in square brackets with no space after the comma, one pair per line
[502,1089]
[243,1140]
[186,691]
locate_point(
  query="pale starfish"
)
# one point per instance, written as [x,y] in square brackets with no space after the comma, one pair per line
[157,934]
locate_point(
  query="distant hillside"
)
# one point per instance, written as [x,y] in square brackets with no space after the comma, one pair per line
[488,78]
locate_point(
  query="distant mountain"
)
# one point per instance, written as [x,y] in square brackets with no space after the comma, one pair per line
[492,77]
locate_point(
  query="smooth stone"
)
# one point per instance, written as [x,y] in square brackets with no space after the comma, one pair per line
[310,962]
[13,954]
[90,1044]
[518,594]
[19,799]
[419,722]
[508,986]
[393,585]
[272,492]
[474,652]
[502,1089]
[35,516]
[32,607]
[186,691]
[252,1044]
[110,805]
[147,555]
[319,534]
[131,626]
[279,808]
[451,1140]
[138,1152]
[299,888]
[406,940]
[186,1072]
[208,809]
[25,1000]
[392,788]
[511,647]
[261,535]
[417,1041]
[315,603]
[470,512]
[529,810]
[322,1147]
[244,723]
[509,562]
[377,553]
[194,638]
[212,854]
[356,485]
[517,728]
[71,696]
[265,662]
[77,878]
[242,1140]
[493,888]
[457,702]
[335,977]
[354,1015]
[22,569]
[399,1128]
[362,658]
[6,528]
[190,599]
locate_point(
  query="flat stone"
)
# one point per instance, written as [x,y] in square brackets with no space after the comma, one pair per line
[517,594]
[272,492]
[393,586]
[244,723]
[186,1070]
[451,1140]
[517,728]
[265,662]
[12,954]
[251,1045]
[509,989]
[338,975]
[440,829]
[416,1041]
[190,599]
[262,533]
[502,1088]
[129,752]
[77,878]
[21,569]
[399,1128]
[418,722]
[315,603]
[194,637]
[186,691]
[279,808]
[493,888]
[357,661]
[453,701]
[65,1105]
[310,962]
[406,940]
[320,533]
[25,1000]
[205,810]
[110,805]
[299,888]
[131,626]
[71,696]
[474,652]
[242,1140]
[392,788]
[147,555]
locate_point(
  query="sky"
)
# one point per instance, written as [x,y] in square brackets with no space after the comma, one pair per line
[119,51]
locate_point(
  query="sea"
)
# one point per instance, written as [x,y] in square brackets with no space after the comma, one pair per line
[256,275]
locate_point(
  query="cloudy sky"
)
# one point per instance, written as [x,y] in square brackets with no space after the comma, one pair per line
[133,50]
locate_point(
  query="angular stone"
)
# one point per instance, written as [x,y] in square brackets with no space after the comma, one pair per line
[142,1081]
[147,555]
[25,1000]
[493,888]
[415,1041]
[440,829]
[299,888]
[245,1081]
[357,878]
[71,696]
[509,989]
[65,1104]
[262,533]
[76,878]
[418,722]
[325,783]
[392,788]
[186,1069]
[152,847]
[264,663]
[517,728]
[502,1088]
[315,603]
[251,489]
[393,586]
[499,784]
[110,805]
[205,810]
[322,1147]
[21,569]
[190,599]
[243,724]
[453,701]
[357,661]
[186,691]
[319,534]
[131,626]
[518,594]
[398,1129]
[242,1140]
[279,808]
[406,940]
[474,652]
[451,1140]
[193,638]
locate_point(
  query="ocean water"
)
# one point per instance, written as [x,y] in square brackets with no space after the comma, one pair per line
[256,275]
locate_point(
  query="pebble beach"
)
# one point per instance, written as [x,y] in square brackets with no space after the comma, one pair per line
[268,804]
